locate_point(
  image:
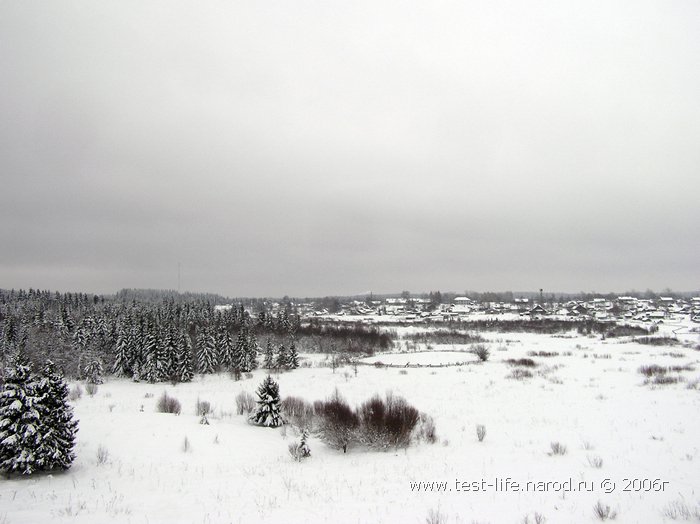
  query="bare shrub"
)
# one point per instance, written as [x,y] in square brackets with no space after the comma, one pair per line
[525,362]
[435,516]
[295,451]
[657,341]
[400,419]
[168,404]
[338,421]
[519,374]
[603,511]
[537,518]
[102,455]
[202,408]
[245,403]
[663,380]
[557,448]
[482,351]
[652,369]
[298,411]
[372,414]
[480,432]
[76,392]
[595,461]
[425,430]
[543,354]
[694,384]
[91,388]
[387,422]
[679,510]
[678,369]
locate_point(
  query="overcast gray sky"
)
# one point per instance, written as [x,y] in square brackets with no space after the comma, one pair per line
[317,147]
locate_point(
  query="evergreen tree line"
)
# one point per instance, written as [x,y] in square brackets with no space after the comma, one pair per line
[146,341]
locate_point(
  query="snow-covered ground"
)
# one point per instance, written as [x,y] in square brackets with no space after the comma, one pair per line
[436,357]
[590,398]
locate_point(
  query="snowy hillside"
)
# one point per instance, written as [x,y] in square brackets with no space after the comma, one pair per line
[586,394]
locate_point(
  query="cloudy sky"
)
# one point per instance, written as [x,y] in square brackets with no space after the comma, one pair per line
[315,148]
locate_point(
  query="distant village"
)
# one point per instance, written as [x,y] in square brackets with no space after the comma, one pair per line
[462,308]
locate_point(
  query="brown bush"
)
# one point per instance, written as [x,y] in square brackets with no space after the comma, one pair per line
[387,422]
[337,421]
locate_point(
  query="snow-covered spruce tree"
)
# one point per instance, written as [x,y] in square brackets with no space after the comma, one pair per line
[149,367]
[241,351]
[162,358]
[226,351]
[252,355]
[58,428]
[93,371]
[213,350]
[136,372]
[185,373]
[268,413]
[20,424]
[80,339]
[168,364]
[205,353]
[292,357]
[282,360]
[304,449]
[121,356]
[300,450]
[269,362]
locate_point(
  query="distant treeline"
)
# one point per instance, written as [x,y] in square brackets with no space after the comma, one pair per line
[552,326]
[161,295]
[445,336]
[326,337]
[153,337]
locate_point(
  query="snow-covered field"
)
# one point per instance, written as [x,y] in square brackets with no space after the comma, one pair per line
[590,398]
[436,357]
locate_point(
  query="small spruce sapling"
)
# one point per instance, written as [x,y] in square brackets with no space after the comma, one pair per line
[268,412]
[304,449]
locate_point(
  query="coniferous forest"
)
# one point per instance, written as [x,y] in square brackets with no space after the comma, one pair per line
[154,340]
